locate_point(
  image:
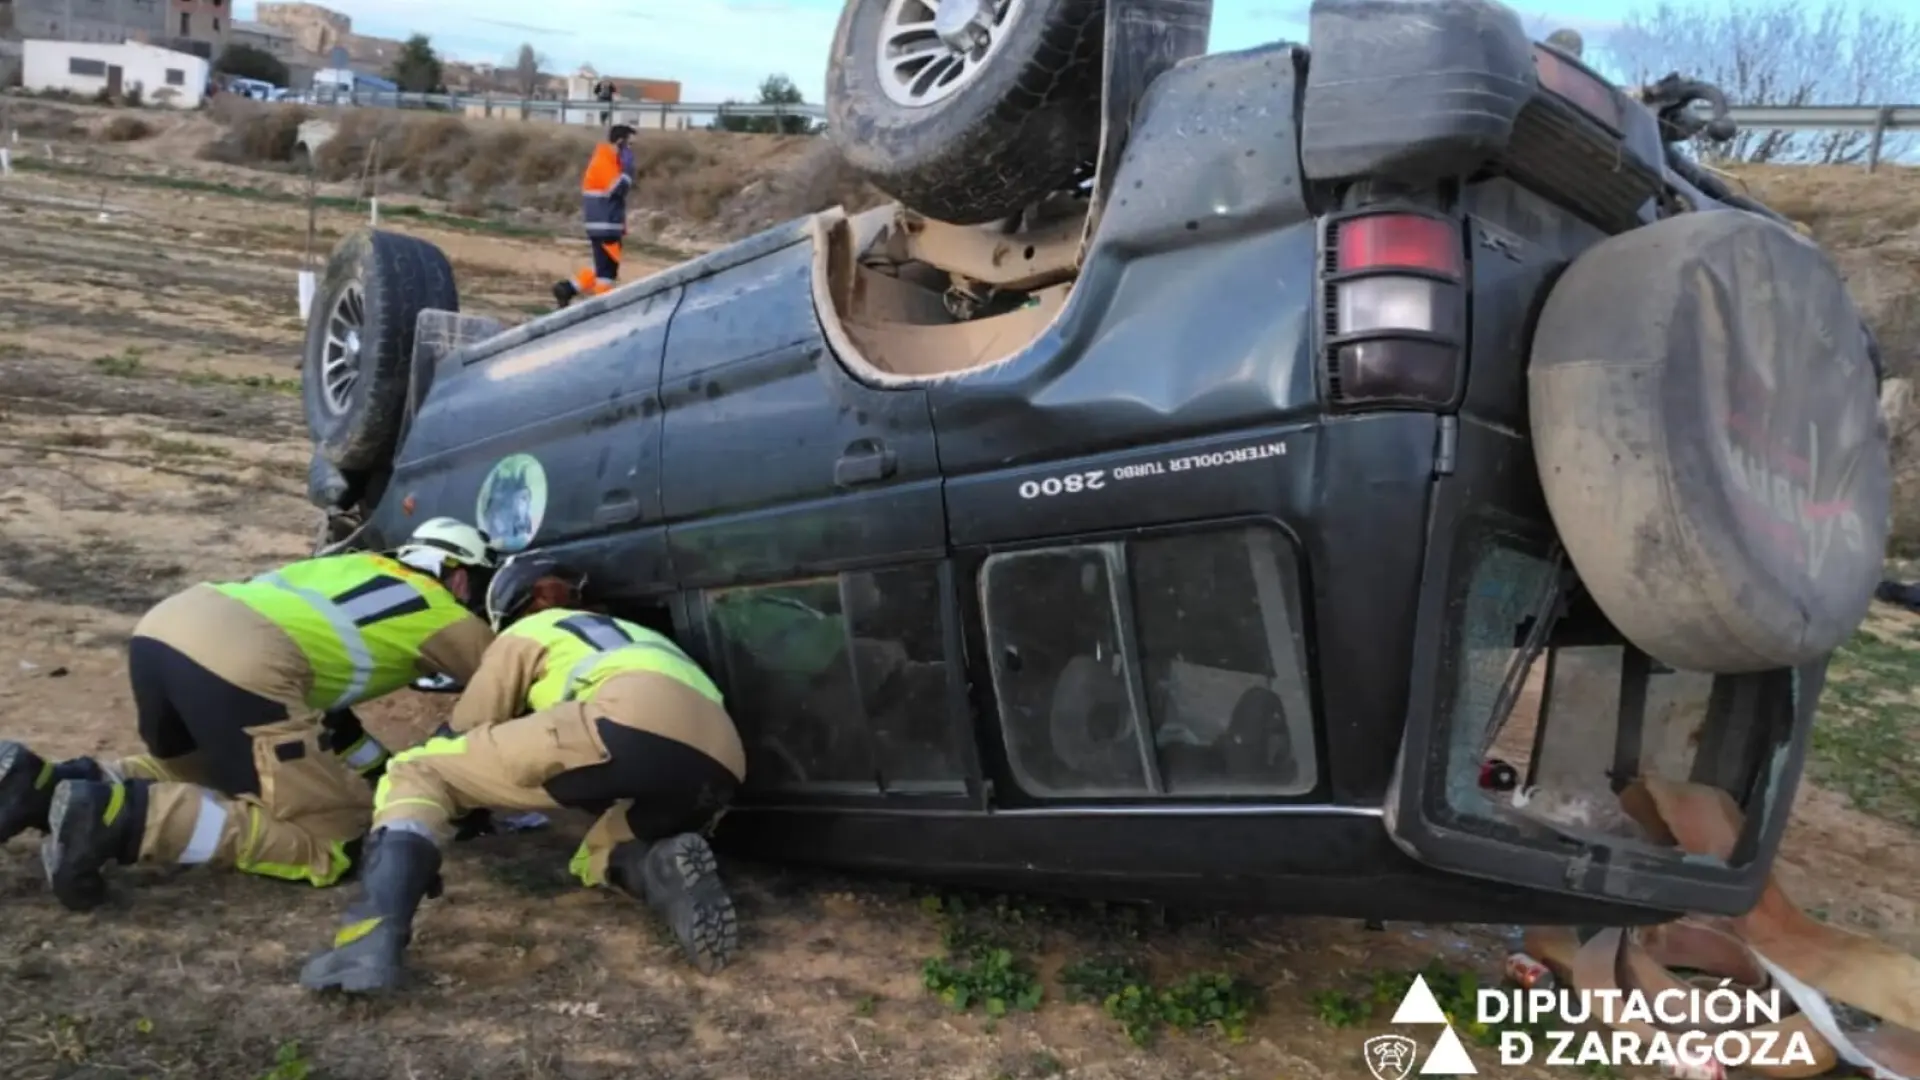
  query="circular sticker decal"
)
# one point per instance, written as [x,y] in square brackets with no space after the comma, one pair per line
[513,499]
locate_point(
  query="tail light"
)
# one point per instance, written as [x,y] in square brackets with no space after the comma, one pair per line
[1578,87]
[1580,143]
[1393,308]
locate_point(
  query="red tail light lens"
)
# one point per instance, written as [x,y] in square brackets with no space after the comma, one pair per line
[1398,242]
[1581,88]
[1394,319]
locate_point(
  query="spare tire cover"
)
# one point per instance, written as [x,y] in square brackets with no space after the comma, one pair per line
[1709,439]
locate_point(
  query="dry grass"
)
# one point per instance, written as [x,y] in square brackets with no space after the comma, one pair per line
[475,164]
[40,119]
[1871,225]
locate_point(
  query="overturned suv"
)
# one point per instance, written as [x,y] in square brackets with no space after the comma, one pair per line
[1309,478]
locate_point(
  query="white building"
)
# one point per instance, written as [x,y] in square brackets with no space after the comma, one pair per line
[641,115]
[164,77]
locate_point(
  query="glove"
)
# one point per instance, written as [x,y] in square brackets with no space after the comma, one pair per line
[473,824]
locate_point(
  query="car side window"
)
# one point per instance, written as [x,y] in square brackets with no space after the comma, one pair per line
[790,684]
[1061,677]
[1223,652]
[899,659]
[1169,665]
[841,682]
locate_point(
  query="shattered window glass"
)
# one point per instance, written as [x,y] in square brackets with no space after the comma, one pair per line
[1574,773]
[1504,591]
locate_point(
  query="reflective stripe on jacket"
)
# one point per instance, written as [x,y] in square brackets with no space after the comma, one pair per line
[359,619]
[603,193]
[584,650]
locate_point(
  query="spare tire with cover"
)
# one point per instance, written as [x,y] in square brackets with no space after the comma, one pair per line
[1708,434]
[967,111]
[359,349]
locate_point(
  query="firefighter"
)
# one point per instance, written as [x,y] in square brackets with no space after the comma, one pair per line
[603,203]
[244,693]
[612,718]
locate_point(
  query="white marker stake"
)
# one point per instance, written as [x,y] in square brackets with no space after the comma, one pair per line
[6,162]
[306,294]
[373,208]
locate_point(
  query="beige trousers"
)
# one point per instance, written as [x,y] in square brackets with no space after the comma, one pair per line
[296,829]
[508,766]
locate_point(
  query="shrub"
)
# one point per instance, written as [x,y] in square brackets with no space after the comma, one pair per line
[256,132]
[126,129]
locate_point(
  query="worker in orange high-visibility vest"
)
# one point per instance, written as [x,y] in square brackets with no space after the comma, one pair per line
[603,202]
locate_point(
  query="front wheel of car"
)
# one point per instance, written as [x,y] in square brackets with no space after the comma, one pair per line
[359,346]
[967,111]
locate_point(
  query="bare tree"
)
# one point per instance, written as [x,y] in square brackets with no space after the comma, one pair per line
[1777,52]
[528,69]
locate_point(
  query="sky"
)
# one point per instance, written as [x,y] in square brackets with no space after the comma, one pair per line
[721,49]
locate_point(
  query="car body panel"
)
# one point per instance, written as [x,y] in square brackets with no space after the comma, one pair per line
[583,402]
[1197,292]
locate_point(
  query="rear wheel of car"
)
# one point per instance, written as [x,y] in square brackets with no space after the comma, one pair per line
[967,111]
[1708,433]
[360,342]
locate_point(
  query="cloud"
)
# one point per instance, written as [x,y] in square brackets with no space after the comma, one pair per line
[525,28]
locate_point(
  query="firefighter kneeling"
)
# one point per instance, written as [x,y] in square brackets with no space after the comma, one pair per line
[622,723]
[244,692]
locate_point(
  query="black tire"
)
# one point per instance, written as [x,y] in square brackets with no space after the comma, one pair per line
[1709,440]
[397,277]
[1026,125]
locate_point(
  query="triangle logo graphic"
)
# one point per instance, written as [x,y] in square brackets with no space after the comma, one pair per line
[1419,1006]
[1449,1058]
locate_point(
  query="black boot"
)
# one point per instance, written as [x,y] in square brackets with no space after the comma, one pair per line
[91,823]
[26,786]
[680,881]
[564,292]
[368,952]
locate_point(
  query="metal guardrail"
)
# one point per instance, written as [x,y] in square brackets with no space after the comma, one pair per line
[1878,120]
[1827,117]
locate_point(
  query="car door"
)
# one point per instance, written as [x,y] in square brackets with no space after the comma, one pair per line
[808,531]
[776,462]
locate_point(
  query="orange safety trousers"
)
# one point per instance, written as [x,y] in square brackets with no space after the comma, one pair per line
[605,271]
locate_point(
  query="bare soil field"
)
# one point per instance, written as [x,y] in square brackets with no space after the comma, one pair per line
[150,437]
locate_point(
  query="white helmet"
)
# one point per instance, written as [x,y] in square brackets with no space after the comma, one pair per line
[443,539]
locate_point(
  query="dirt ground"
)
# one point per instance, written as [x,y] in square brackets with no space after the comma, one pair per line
[150,437]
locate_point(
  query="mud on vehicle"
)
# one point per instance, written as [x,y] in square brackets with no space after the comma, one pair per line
[1214,481]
